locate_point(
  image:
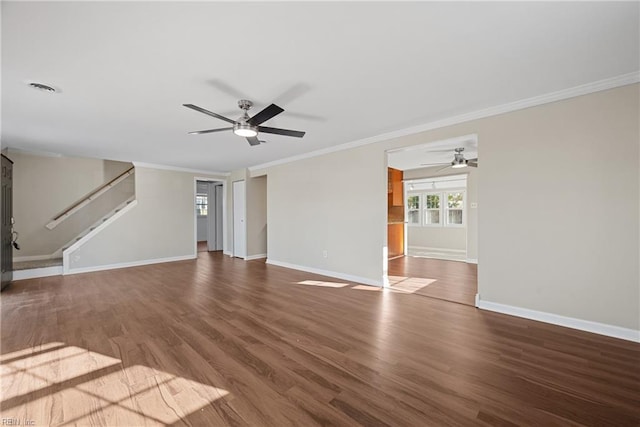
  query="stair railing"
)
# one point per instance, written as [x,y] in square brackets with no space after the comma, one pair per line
[88,199]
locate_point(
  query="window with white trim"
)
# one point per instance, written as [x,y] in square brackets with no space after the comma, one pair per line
[202,204]
[413,209]
[455,208]
[432,209]
[436,208]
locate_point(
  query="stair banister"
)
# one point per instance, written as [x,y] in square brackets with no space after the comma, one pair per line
[88,199]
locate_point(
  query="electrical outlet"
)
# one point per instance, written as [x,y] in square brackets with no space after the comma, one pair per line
[325,254]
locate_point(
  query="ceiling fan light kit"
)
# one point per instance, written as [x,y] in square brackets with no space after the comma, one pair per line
[247,126]
[243,129]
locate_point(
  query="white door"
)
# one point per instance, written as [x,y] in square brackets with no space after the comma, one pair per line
[219,241]
[212,216]
[239,224]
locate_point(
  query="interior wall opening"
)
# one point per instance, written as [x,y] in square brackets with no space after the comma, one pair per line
[208,205]
[432,220]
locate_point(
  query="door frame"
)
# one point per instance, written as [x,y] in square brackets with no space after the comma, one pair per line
[195,213]
[385,260]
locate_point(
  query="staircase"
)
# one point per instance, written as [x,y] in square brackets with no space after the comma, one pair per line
[57,262]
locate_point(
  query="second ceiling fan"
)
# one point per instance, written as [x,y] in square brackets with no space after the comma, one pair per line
[248,126]
[458,161]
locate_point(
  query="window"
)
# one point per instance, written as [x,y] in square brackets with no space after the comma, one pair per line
[413,210]
[436,209]
[432,209]
[201,205]
[455,205]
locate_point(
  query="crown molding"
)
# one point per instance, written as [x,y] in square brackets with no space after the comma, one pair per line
[32,152]
[585,89]
[178,169]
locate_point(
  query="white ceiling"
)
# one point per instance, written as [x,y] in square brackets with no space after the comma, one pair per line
[342,71]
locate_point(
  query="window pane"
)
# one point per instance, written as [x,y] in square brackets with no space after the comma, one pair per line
[455,200]
[201,205]
[455,216]
[433,201]
[414,217]
[413,202]
[432,217]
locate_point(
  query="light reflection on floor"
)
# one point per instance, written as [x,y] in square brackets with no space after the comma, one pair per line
[86,387]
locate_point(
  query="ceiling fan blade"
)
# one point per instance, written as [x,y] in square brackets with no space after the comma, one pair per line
[264,115]
[277,131]
[473,163]
[253,140]
[198,132]
[212,114]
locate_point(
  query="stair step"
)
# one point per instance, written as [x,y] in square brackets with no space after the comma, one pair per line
[43,263]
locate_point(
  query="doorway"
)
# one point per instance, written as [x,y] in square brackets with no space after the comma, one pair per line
[439,220]
[209,213]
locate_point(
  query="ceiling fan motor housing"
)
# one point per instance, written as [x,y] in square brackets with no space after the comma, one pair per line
[245,104]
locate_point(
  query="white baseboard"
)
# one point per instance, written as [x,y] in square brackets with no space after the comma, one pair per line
[429,249]
[471,261]
[37,272]
[555,319]
[32,258]
[342,276]
[252,257]
[227,253]
[129,264]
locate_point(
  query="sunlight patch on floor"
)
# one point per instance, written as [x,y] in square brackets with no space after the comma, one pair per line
[323,284]
[27,351]
[69,379]
[409,284]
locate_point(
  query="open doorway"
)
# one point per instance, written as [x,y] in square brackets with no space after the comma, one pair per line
[439,203]
[209,215]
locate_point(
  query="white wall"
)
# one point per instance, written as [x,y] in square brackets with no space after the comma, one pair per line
[160,226]
[447,238]
[335,203]
[558,223]
[202,228]
[44,186]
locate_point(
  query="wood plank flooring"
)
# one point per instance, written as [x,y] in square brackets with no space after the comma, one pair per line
[453,281]
[221,341]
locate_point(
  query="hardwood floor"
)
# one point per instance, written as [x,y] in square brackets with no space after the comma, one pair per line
[453,281]
[221,341]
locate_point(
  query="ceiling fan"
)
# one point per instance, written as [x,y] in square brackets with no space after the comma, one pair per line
[248,126]
[458,161]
